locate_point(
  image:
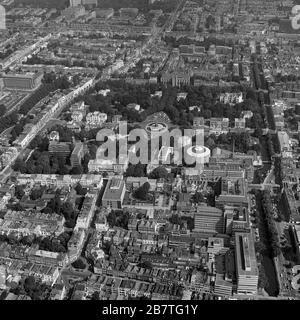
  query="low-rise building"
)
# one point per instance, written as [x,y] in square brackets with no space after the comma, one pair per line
[95,119]
[219,126]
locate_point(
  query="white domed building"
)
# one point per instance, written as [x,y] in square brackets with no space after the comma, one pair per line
[197,154]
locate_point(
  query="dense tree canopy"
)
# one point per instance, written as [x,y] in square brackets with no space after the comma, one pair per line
[158,173]
[138,170]
[141,193]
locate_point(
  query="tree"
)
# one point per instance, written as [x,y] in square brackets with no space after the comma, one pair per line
[78,264]
[2,110]
[158,173]
[80,190]
[251,94]
[173,113]
[63,170]
[95,295]
[260,247]
[122,220]
[175,219]
[20,166]
[64,238]
[93,150]
[142,192]
[76,170]
[70,224]
[111,219]
[210,143]
[47,210]
[29,284]
[40,143]
[67,210]
[36,194]
[137,170]
[55,204]
[198,197]
[19,191]
[262,278]
[27,240]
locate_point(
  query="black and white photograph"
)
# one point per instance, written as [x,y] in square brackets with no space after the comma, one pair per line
[149,155]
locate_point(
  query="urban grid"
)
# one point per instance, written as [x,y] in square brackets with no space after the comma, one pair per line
[77,223]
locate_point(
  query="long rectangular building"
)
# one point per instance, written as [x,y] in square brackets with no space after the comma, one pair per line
[209,220]
[26,81]
[246,264]
[114,193]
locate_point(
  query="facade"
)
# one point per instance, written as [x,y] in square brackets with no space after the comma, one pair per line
[26,81]
[198,122]
[108,166]
[239,123]
[87,211]
[219,125]
[95,119]
[176,78]
[222,287]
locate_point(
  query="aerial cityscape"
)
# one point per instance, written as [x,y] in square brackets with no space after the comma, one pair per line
[149,150]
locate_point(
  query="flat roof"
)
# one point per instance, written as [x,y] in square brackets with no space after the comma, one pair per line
[246,263]
[114,189]
[207,210]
